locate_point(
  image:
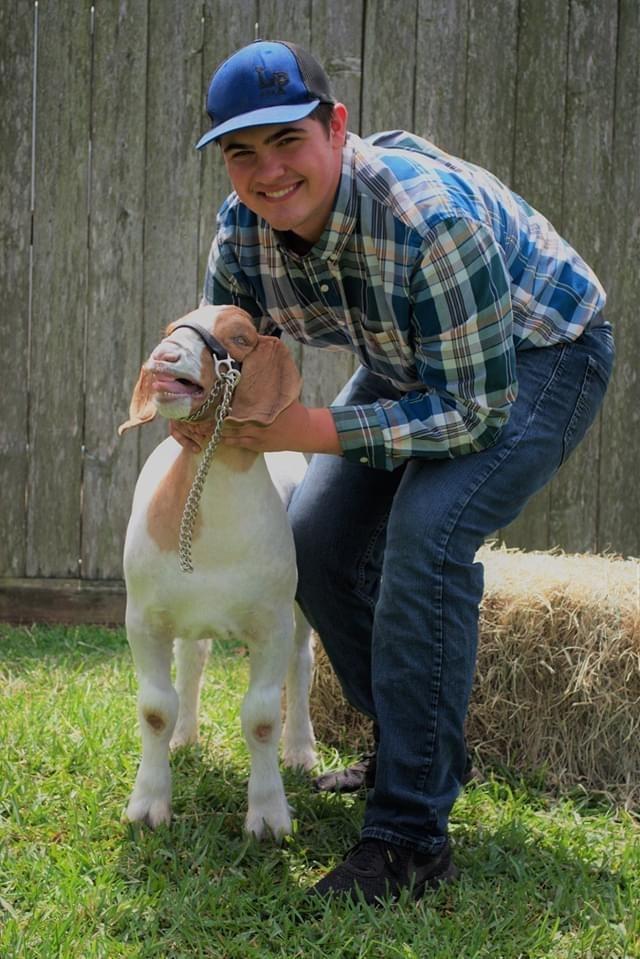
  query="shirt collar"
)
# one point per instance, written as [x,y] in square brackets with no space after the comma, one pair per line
[342,219]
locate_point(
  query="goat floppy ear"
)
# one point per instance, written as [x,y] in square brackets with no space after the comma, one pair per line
[141,409]
[269,383]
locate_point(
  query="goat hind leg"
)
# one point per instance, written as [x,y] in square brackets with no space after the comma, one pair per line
[299,740]
[191,658]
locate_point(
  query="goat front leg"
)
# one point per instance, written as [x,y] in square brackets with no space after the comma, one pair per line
[268,808]
[150,800]
[191,658]
[299,741]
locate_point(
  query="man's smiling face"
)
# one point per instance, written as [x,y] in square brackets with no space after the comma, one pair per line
[288,173]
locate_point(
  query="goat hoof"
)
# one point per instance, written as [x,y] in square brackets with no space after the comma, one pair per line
[260,828]
[154,813]
[182,738]
[303,757]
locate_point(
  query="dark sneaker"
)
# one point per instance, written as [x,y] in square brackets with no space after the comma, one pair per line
[378,871]
[363,773]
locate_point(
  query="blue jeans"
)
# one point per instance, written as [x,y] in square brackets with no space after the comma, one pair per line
[387,575]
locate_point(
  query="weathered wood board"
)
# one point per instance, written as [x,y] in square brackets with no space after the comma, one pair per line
[102,106]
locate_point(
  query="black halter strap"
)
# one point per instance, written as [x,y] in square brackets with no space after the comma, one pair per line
[214,346]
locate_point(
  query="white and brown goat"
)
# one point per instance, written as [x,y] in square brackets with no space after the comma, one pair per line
[244,574]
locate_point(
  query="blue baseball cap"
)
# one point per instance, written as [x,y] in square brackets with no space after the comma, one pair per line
[268,81]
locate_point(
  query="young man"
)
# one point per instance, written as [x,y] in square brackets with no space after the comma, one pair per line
[484,359]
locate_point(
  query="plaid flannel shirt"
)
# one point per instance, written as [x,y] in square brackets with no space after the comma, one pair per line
[433,273]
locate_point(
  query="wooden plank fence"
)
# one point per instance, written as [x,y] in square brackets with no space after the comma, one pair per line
[107,212]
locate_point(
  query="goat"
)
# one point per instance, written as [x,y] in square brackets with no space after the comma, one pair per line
[244,574]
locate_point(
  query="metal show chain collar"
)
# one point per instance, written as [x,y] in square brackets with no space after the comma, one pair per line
[226,383]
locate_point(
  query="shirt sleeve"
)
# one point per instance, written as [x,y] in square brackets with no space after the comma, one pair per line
[462,333]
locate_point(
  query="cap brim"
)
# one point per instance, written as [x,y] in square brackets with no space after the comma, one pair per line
[258,118]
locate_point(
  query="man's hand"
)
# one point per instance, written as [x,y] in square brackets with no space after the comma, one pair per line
[296,428]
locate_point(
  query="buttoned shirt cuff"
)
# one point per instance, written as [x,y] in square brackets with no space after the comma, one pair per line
[360,435]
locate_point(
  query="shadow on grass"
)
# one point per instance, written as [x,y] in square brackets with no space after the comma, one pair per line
[203,865]
[72,646]
[75,646]
[201,885]
[202,879]
[210,802]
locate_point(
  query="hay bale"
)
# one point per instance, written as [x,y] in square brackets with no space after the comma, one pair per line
[558,678]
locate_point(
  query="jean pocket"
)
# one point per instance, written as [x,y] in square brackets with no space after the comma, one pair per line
[592,390]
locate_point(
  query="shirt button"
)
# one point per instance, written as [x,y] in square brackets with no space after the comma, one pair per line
[324,287]
[363,459]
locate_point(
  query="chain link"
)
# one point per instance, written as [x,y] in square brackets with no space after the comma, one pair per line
[225,385]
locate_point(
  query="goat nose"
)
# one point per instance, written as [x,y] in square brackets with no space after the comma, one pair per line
[165,352]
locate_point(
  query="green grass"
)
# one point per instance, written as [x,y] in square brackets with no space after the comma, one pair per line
[541,876]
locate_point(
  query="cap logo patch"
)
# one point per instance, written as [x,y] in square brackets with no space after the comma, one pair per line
[278,80]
